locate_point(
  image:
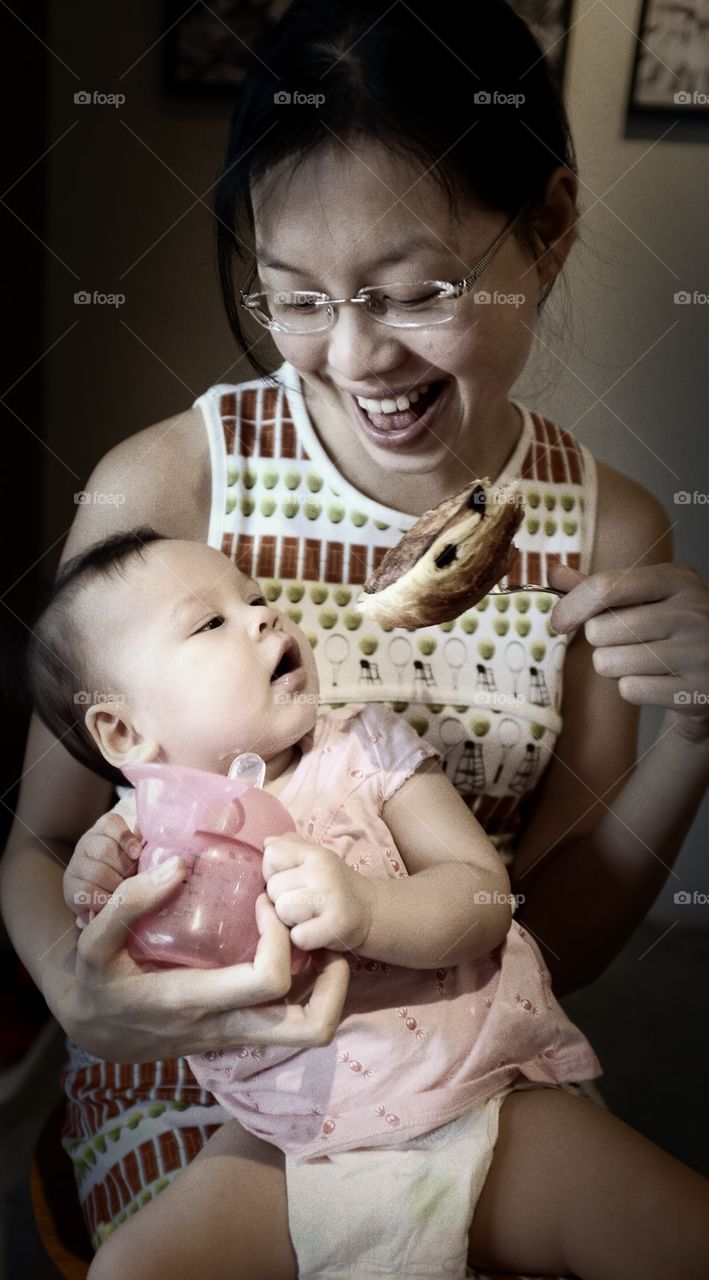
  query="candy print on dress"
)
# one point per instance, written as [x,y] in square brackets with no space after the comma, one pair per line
[391,1118]
[354,1065]
[411,1024]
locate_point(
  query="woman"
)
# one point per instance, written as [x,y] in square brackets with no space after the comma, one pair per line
[396,162]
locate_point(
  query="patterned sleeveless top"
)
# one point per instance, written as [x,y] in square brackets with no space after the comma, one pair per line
[484,689]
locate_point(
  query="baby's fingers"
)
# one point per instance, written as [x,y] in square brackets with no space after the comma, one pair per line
[107,937]
[110,840]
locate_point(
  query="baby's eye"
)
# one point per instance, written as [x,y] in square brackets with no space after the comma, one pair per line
[257,600]
[217,621]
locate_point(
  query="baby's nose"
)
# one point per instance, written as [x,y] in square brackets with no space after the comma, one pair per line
[263,618]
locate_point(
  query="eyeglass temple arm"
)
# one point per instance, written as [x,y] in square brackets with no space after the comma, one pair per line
[484,262]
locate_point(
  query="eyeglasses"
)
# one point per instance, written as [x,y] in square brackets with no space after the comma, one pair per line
[402,306]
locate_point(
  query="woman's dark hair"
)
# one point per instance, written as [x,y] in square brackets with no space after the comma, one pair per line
[59,676]
[406,75]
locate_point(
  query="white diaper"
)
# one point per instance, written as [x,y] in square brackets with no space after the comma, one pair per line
[403,1210]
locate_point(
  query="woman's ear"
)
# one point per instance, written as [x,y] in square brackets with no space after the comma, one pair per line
[554,222]
[111,726]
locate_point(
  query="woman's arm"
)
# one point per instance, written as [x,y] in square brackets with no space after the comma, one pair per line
[603,831]
[586,896]
[59,798]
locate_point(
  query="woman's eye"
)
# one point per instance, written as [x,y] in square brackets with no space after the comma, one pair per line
[417,300]
[216,621]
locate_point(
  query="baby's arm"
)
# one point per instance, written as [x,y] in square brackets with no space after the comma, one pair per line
[454,905]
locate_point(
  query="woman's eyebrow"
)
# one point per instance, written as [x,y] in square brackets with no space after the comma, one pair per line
[396,254]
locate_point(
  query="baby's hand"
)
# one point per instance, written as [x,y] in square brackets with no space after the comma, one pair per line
[104,857]
[320,896]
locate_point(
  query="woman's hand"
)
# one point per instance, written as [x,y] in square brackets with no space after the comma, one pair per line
[650,630]
[104,857]
[124,1014]
[325,902]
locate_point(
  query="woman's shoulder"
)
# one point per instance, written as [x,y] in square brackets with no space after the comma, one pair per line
[159,475]
[632,525]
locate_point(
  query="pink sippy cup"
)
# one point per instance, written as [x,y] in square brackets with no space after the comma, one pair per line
[218,826]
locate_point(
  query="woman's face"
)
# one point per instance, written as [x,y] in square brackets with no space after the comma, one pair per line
[348,218]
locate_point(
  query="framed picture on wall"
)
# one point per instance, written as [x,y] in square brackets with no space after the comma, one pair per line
[671,67]
[549,21]
[208,47]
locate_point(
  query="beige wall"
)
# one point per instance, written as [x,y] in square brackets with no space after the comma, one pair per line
[112,206]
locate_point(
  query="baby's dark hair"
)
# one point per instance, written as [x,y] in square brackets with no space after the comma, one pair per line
[418,78]
[59,673]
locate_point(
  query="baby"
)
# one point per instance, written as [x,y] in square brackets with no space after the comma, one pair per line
[388,1130]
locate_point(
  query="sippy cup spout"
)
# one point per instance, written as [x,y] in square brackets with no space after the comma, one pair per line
[249,768]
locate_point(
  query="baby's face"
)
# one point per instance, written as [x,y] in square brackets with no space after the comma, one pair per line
[193,647]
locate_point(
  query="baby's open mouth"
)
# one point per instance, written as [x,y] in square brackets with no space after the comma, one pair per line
[288,661]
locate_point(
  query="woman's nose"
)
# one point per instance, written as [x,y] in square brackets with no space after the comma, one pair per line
[359,348]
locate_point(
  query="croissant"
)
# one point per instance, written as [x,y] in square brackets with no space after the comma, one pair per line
[449,559]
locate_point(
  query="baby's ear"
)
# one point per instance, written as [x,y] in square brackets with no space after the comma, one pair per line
[115,735]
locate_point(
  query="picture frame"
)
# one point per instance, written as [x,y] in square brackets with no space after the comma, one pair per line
[208,48]
[549,22]
[670,71]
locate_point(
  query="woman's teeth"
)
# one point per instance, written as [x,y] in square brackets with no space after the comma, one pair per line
[393,406]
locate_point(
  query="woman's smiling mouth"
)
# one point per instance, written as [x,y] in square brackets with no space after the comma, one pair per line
[393,427]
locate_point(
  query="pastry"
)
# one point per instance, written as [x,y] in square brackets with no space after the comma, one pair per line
[449,559]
